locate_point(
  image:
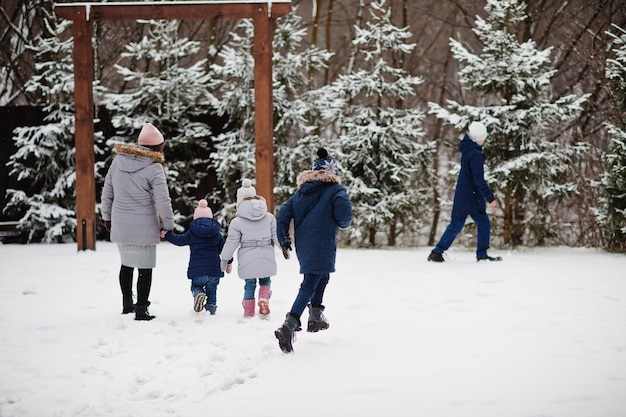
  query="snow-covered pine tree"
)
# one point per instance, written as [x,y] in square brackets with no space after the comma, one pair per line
[386,163]
[612,213]
[172,97]
[529,156]
[297,109]
[44,162]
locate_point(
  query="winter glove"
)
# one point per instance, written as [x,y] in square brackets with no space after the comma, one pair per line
[107,225]
[163,233]
[286,249]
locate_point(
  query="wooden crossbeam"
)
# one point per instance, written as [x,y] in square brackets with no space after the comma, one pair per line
[179,10]
[82,14]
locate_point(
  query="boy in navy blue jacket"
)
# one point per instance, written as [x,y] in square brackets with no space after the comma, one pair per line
[470,195]
[205,244]
[318,209]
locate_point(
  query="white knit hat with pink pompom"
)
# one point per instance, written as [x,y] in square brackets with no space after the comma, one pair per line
[203,210]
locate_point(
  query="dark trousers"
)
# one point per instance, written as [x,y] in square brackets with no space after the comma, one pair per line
[311,291]
[456,225]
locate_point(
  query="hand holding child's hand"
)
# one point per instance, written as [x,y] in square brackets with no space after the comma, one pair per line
[223,264]
[163,233]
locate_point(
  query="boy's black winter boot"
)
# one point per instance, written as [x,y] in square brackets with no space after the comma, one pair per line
[435,257]
[489,258]
[317,320]
[141,313]
[285,333]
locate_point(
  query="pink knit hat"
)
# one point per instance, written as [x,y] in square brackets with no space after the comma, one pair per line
[150,136]
[203,210]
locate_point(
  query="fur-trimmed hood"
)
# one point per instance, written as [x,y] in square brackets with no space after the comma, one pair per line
[137,157]
[319,175]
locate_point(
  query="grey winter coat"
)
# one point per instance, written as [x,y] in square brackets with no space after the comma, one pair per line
[254,232]
[135,197]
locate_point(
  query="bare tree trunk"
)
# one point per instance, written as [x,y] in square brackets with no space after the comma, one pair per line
[399,104]
[391,241]
[358,22]
[507,217]
[329,16]
[438,132]
[518,215]
[315,20]
[372,236]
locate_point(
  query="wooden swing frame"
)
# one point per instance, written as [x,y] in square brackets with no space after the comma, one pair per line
[84,14]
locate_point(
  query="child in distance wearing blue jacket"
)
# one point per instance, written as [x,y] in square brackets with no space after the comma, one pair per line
[205,244]
[470,195]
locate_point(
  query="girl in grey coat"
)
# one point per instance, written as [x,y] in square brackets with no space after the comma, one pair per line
[254,232]
[135,207]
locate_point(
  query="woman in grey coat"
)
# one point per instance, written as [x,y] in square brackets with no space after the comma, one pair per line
[254,232]
[136,205]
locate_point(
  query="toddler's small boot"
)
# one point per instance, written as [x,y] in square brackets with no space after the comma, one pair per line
[198,302]
[211,308]
[264,300]
[317,320]
[285,333]
[248,308]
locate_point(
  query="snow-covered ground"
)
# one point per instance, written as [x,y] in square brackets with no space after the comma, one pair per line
[542,333]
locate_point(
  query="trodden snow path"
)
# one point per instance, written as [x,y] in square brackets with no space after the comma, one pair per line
[539,334]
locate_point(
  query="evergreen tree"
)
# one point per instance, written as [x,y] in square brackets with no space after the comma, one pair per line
[44,162]
[386,165]
[173,98]
[612,214]
[297,109]
[529,164]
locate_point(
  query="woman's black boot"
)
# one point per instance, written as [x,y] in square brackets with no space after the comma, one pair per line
[126,285]
[144,282]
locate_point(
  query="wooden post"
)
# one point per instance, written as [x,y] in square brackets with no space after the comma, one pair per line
[82,14]
[263,106]
[84,131]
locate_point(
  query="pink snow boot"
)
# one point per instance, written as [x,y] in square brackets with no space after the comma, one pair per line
[264,300]
[248,308]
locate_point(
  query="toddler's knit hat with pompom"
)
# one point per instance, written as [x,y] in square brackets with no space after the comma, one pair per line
[246,190]
[203,210]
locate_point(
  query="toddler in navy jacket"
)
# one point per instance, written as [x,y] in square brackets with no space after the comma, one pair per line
[205,244]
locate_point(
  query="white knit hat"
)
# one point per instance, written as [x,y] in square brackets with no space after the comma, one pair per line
[150,136]
[203,210]
[477,131]
[246,190]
